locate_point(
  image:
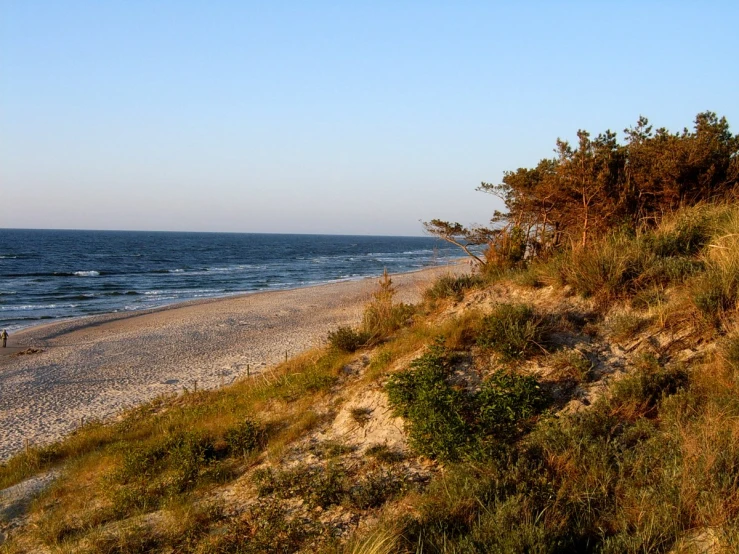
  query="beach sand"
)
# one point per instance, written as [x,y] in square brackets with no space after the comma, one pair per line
[95,367]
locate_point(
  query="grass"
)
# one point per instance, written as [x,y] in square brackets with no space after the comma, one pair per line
[570,364]
[625,326]
[452,287]
[512,330]
[163,453]
[332,484]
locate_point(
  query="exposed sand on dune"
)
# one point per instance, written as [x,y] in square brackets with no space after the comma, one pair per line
[95,367]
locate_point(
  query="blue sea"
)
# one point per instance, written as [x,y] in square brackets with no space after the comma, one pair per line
[47,275]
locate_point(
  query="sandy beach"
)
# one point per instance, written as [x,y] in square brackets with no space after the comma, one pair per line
[95,367]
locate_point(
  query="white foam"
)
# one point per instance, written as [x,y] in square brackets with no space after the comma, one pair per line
[91,273]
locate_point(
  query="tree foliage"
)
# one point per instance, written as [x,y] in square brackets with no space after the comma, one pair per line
[599,184]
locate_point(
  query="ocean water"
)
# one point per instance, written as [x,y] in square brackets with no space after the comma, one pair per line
[47,275]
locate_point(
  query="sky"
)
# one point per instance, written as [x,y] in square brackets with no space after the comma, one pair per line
[327,117]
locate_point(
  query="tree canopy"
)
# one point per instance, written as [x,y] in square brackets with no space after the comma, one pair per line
[599,183]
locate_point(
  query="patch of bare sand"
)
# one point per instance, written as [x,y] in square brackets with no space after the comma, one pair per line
[92,368]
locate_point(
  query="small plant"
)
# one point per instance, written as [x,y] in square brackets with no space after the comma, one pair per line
[715,293]
[513,330]
[383,453]
[625,326]
[381,316]
[346,339]
[374,489]
[264,528]
[571,364]
[649,299]
[361,416]
[244,437]
[649,384]
[454,287]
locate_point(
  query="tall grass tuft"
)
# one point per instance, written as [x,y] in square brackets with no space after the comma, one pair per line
[512,330]
[382,317]
[450,286]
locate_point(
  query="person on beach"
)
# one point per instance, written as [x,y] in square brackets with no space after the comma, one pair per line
[4,336]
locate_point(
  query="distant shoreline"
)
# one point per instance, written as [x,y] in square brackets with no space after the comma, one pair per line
[94,367]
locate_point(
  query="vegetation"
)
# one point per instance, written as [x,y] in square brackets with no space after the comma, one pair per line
[599,185]
[598,415]
[449,423]
[513,331]
[346,339]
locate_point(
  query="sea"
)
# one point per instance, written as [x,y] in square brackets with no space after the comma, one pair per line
[48,275]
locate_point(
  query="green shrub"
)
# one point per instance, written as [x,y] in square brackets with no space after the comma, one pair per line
[512,330]
[684,235]
[374,489]
[244,437]
[505,402]
[346,339]
[447,423]
[435,412]
[264,528]
[715,293]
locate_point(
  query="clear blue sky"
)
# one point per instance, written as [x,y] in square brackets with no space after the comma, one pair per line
[327,117]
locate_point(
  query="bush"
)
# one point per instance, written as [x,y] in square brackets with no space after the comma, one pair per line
[625,326]
[346,339]
[715,293]
[505,402]
[383,453]
[649,384]
[245,437]
[449,286]
[434,411]
[264,528]
[381,316]
[374,489]
[446,423]
[512,330]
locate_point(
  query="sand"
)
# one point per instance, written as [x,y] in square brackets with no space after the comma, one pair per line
[96,367]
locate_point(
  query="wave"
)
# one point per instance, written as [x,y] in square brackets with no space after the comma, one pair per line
[27,307]
[91,273]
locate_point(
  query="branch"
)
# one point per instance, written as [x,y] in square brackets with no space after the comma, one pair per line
[458,235]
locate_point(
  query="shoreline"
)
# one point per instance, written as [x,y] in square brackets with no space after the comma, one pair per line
[177,303]
[94,367]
